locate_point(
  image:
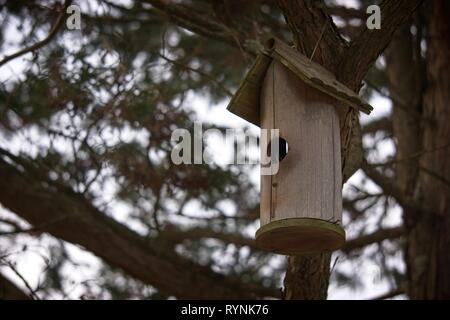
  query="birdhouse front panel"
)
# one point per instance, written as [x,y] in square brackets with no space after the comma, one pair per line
[301,205]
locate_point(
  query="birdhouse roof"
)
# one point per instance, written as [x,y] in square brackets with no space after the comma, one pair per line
[245,102]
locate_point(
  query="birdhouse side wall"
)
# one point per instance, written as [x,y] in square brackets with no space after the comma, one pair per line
[309,181]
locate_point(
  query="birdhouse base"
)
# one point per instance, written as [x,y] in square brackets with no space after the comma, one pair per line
[300,236]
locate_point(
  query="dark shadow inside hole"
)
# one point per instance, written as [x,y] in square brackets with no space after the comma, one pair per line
[282,145]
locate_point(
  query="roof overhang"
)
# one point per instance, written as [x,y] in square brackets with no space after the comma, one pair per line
[245,102]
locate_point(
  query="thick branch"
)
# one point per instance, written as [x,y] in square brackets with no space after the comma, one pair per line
[311,26]
[9,291]
[176,235]
[390,188]
[381,124]
[386,183]
[147,260]
[369,44]
[375,237]
[194,22]
[53,31]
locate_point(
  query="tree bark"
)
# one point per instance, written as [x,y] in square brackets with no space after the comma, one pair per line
[404,81]
[428,250]
[307,277]
[9,291]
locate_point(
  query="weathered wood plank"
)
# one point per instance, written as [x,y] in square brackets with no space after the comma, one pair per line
[267,122]
[315,75]
[245,102]
[308,183]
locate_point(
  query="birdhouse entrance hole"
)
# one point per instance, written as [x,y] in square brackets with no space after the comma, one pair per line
[283,148]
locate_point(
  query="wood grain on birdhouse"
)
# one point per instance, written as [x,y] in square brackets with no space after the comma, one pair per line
[302,203]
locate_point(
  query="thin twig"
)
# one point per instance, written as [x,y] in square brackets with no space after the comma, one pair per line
[34,296]
[390,188]
[398,101]
[410,157]
[435,175]
[371,238]
[207,76]
[318,40]
[53,31]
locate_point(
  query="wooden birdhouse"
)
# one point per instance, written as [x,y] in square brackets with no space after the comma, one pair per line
[301,205]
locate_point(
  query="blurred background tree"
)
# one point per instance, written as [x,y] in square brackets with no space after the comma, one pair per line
[92,206]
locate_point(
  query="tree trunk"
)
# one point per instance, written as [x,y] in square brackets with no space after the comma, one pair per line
[428,233]
[406,95]
[307,277]
[314,32]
